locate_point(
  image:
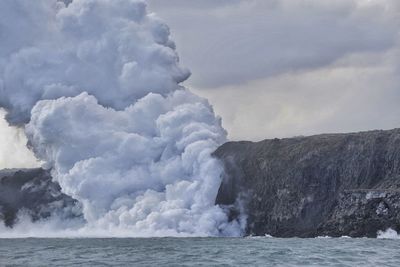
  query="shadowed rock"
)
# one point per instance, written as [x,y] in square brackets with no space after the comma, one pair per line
[331,184]
[32,192]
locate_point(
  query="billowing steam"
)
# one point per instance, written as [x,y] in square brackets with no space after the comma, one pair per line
[96,86]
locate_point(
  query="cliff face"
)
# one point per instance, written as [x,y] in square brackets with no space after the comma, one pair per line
[32,192]
[334,184]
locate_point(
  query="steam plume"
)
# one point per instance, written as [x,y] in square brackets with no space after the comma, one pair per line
[96,84]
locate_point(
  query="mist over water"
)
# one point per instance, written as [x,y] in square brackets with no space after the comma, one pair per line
[96,85]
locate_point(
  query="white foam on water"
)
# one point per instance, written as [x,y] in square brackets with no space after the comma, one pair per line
[388,234]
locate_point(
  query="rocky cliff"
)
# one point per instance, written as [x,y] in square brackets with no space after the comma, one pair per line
[331,184]
[32,192]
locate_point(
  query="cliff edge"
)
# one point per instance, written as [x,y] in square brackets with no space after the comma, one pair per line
[330,184]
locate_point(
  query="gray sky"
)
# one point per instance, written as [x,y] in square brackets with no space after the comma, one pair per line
[281,68]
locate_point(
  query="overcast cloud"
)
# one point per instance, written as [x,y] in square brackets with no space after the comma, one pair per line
[231,42]
[280,68]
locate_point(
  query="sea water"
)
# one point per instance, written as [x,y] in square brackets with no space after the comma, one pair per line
[200,252]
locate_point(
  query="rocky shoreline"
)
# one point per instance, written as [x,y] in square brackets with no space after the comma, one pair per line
[323,185]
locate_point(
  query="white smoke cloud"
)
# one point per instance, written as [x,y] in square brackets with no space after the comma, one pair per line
[98,82]
[111,49]
[13,150]
[146,167]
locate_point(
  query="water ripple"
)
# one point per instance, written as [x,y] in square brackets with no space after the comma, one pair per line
[200,252]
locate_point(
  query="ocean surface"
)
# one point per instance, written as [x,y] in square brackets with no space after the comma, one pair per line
[200,252]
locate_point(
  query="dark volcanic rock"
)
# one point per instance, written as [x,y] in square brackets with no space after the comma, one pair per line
[332,184]
[32,191]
